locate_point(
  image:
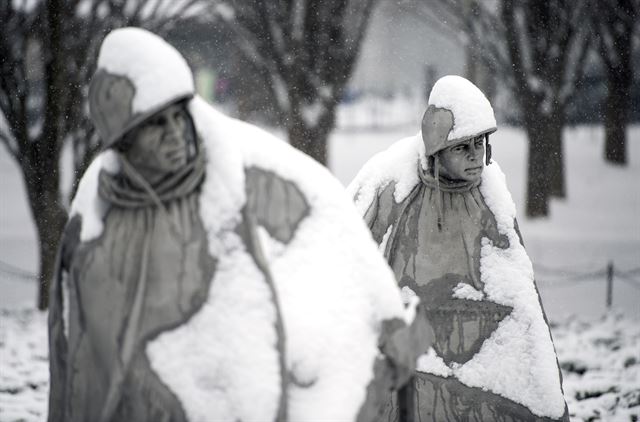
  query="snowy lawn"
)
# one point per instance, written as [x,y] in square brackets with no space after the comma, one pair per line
[599,358]
[600,362]
[24,365]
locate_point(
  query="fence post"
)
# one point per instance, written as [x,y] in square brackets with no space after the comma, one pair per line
[609,284]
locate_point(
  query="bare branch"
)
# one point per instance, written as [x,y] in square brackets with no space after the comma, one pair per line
[513,47]
[8,140]
[298,12]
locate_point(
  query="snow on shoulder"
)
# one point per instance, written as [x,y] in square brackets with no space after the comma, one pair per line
[473,112]
[334,288]
[87,203]
[397,164]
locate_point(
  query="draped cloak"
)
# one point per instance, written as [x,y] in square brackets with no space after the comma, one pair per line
[176,310]
[447,266]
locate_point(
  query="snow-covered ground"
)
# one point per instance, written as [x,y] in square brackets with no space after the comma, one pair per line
[599,357]
[596,224]
[24,365]
[600,361]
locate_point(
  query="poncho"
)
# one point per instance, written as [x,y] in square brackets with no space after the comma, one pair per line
[493,357]
[264,297]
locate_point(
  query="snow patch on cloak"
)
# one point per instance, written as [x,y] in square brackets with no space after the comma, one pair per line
[87,203]
[333,286]
[223,364]
[224,197]
[466,291]
[518,361]
[431,363]
[411,302]
[385,238]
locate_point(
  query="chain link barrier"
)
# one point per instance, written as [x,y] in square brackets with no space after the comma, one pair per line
[551,277]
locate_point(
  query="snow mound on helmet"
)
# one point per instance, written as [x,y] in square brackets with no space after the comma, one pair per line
[158,71]
[472,112]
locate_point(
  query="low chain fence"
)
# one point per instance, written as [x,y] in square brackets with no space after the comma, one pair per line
[560,277]
[10,270]
[548,276]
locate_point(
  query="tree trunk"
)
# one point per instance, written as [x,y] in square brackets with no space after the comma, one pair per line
[620,22]
[616,113]
[537,187]
[311,138]
[311,141]
[42,183]
[40,165]
[50,222]
[553,131]
[538,182]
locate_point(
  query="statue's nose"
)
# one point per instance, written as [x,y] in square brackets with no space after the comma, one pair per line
[173,129]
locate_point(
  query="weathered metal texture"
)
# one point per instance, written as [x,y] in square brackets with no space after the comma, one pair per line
[278,204]
[432,262]
[106,274]
[440,399]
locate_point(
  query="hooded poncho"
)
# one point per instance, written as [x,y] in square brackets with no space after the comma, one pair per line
[244,287]
[493,358]
[264,294]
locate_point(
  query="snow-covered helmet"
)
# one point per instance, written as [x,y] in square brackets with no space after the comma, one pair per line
[137,75]
[457,111]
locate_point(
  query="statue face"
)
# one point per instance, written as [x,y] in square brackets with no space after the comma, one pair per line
[160,144]
[463,161]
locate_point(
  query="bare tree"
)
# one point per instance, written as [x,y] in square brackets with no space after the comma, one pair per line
[614,22]
[540,48]
[47,55]
[306,51]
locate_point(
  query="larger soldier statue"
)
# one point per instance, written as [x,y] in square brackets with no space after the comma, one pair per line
[210,272]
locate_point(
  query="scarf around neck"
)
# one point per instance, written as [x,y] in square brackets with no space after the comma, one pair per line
[128,189]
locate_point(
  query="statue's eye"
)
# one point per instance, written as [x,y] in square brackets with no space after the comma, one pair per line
[157,121]
[179,117]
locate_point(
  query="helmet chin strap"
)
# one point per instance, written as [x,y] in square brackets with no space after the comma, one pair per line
[193,147]
[436,173]
[488,149]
